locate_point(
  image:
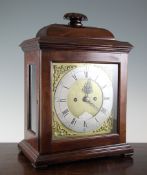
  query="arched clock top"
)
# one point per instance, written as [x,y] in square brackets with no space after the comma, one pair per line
[75,35]
[74,29]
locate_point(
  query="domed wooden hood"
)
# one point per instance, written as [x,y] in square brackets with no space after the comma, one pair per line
[75,35]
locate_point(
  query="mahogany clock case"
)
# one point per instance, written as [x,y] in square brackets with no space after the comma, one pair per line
[70,44]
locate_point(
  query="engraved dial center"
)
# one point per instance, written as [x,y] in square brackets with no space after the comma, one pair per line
[84,97]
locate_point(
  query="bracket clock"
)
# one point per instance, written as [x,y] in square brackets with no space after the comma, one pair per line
[75,93]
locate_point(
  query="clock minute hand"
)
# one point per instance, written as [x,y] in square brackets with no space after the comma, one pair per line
[86,99]
[92,104]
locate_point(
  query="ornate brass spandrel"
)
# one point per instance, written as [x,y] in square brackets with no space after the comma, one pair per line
[59,70]
[62,132]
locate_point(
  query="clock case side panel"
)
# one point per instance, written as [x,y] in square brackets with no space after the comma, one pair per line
[45,104]
[122,101]
[30,145]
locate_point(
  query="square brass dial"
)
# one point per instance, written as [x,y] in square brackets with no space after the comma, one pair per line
[84,99]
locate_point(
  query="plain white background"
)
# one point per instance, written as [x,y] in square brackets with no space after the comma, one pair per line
[20,20]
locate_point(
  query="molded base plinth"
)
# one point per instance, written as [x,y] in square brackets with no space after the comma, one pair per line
[38,160]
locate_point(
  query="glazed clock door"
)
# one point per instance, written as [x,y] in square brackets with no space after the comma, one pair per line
[84,99]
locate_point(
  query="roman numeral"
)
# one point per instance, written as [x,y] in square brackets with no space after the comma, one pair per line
[65,87]
[103,110]
[85,124]
[86,74]
[106,98]
[96,120]
[74,76]
[104,86]
[62,100]
[65,112]
[73,122]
